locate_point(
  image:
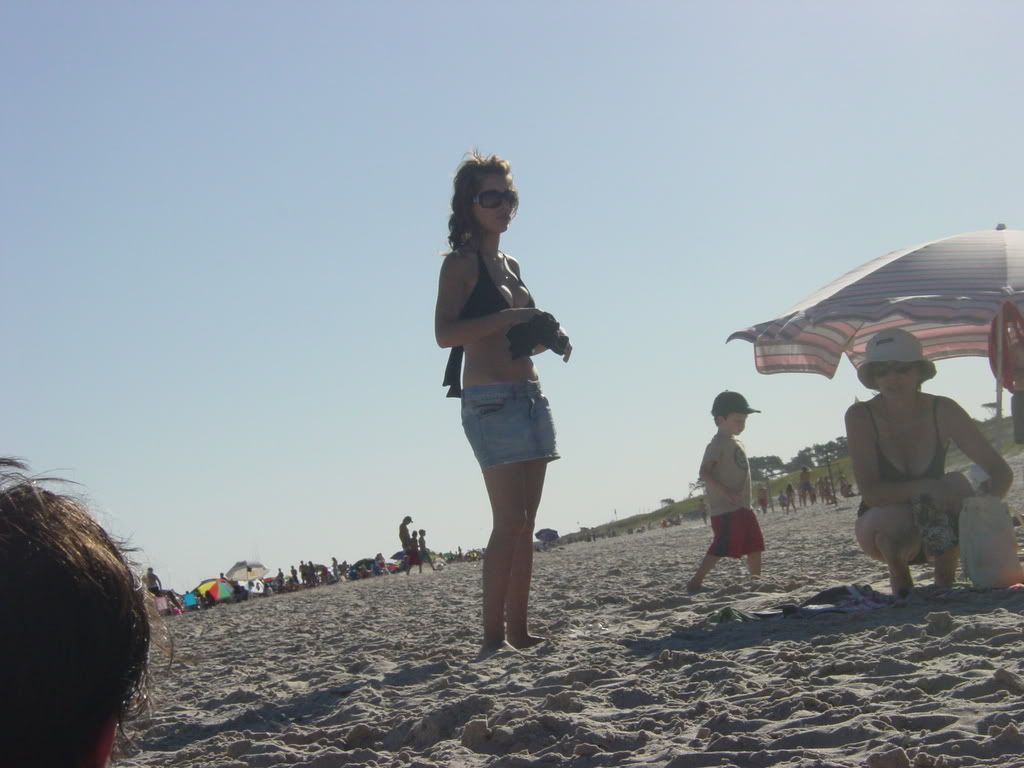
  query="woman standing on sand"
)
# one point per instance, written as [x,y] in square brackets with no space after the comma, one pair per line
[898,441]
[481,297]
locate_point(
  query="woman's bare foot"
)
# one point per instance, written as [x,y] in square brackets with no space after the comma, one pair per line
[900,580]
[693,586]
[490,649]
[527,641]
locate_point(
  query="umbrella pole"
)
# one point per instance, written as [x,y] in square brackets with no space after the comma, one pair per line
[999,380]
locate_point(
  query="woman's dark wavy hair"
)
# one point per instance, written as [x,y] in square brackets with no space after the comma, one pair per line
[76,633]
[469,178]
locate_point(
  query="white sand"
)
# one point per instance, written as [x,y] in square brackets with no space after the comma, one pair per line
[383,672]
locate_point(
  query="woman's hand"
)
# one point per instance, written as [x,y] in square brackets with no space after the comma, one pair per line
[948,493]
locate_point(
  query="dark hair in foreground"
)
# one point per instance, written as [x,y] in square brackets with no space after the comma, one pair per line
[75,640]
[468,180]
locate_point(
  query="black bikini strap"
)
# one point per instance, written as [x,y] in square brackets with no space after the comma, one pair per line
[453,373]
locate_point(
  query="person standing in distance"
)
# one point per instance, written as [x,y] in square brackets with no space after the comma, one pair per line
[481,296]
[406,539]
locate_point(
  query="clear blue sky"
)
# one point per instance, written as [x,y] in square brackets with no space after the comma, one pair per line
[221,227]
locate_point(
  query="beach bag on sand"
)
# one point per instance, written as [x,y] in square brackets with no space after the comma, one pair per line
[988,548]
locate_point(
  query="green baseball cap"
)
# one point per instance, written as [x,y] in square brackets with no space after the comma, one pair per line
[731,402]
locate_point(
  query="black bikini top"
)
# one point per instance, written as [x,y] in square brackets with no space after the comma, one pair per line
[485,299]
[936,469]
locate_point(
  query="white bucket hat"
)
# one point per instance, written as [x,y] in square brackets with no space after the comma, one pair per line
[893,346]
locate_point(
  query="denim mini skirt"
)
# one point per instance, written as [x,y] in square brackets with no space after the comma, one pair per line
[508,423]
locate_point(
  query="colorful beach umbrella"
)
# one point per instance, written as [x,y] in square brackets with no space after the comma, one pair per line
[219,589]
[948,293]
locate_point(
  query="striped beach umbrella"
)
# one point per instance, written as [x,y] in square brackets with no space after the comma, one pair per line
[947,293]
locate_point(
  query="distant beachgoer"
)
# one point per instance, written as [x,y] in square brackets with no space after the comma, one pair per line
[824,489]
[845,487]
[762,498]
[334,568]
[406,540]
[790,497]
[76,629]
[153,582]
[726,477]
[424,552]
[403,532]
[412,554]
[485,311]
[295,577]
[783,501]
[806,489]
[898,441]
[279,581]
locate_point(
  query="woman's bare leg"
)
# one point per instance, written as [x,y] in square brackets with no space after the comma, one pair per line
[945,567]
[517,628]
[889,534]
[506,489]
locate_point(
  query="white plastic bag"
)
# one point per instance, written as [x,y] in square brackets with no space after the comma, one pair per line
[988,547]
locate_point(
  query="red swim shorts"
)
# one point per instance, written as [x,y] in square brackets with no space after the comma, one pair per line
[737,533]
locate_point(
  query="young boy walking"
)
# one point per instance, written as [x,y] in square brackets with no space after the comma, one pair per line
[726,479]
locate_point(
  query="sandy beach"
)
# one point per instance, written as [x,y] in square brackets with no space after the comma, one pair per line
[384,672]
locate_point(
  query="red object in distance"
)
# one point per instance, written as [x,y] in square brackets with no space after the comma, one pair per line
[1013,347]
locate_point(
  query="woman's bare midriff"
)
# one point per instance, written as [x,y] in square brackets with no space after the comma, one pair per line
[488,362]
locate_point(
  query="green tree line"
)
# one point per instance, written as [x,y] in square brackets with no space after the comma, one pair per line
[817,455]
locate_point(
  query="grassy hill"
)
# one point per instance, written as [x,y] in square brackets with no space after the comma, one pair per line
[688,508]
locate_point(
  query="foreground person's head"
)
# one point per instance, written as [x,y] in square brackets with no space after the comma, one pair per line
[75,639]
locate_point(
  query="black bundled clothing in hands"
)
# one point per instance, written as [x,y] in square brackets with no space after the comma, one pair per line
[539,330]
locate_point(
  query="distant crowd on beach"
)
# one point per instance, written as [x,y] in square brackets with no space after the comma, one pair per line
[224,589]
[808,492]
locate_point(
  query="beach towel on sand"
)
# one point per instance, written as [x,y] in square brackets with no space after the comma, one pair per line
[850,598]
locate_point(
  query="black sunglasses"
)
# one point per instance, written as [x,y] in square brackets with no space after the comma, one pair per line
[492,198]
[884,369]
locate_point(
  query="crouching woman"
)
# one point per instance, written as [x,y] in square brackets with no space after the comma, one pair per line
[898,441]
